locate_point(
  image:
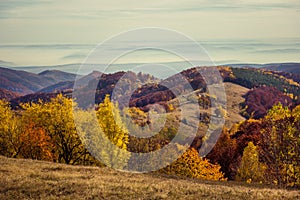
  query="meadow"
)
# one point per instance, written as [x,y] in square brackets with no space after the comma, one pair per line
[31,179]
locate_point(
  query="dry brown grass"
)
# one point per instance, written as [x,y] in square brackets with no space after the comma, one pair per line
[27,179]
[234,95]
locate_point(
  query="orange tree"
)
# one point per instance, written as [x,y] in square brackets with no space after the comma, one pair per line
[35,143]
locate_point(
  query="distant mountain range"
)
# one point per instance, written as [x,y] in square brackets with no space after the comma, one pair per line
[56,79]
[284,67]
[290,67]
[22,86]
[293,68]
[23,82]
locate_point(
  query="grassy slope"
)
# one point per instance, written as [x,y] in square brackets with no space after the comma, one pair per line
[234,95]
[25,179]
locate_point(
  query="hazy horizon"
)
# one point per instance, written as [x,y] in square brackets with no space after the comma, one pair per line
[220,52]
[51,32]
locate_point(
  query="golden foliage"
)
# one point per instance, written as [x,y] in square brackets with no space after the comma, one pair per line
[56,119]
[251,170]
[113,152]
[191,165]
[280,145]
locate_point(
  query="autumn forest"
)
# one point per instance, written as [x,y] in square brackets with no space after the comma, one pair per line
[258,144]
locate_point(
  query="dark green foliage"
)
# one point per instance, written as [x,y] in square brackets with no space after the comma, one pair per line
[252,78]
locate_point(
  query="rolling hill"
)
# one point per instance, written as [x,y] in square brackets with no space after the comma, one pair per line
[253,90]
[283,67]
[293,68]
[69,83]
[142,95]
[58,76]
[61,86]
[22,87]
[8,95]
[25,82]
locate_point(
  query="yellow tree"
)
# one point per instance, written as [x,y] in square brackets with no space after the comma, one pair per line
[111,141]
[87,128]
[9,132]
[56,118]
[250,168]
[193,166]
[20,138]
[294,171]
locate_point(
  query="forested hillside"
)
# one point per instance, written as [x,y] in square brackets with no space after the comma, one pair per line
[262,149]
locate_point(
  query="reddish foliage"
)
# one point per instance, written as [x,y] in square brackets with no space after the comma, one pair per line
[8,95]
[36,144]
[249,131]
[226,155]
[259,100]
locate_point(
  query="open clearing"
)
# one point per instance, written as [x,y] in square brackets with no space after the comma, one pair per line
[28,179]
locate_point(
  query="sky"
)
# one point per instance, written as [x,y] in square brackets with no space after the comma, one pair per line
[53,32]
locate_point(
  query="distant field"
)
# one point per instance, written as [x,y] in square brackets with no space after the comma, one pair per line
[27,179]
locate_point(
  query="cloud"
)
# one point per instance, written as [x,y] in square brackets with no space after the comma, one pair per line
[10,8]
[39,22]
[48,46]
[97,8]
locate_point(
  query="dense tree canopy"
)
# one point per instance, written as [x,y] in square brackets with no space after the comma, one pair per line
[264,150]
